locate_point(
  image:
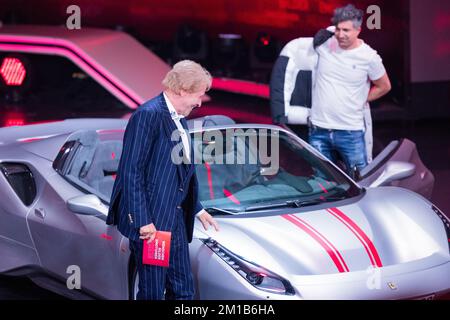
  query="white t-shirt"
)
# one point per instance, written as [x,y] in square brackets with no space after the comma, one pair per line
[342,85]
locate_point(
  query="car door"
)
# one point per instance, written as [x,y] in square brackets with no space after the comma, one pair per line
[402,150]
[17,193]
[69,242]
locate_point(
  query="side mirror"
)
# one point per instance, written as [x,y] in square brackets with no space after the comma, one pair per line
[395,170]
[88,204]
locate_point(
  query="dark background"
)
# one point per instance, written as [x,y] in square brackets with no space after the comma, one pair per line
[406,25]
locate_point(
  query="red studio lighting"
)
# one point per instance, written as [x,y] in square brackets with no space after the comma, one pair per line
[14,122]
[265,40]
[14,118]
[13,71]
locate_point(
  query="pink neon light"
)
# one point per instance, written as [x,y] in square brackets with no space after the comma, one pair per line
[25,47]
[13,71]
[231,85]
[241,86]
[67,44]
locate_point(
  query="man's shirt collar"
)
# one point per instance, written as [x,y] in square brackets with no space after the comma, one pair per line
[173,112]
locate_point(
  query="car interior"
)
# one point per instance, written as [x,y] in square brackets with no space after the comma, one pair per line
[95,162]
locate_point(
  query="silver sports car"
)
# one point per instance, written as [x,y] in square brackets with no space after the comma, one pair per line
[293,225]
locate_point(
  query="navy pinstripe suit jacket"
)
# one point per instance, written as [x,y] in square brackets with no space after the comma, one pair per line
[149,187]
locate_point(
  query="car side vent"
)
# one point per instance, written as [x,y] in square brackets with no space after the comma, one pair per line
[445,221]
[21,180]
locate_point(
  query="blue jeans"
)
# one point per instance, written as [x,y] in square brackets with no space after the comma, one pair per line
[350,145]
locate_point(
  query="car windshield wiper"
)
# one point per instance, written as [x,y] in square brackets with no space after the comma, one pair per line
[286,204]
[335,198]
[216,211]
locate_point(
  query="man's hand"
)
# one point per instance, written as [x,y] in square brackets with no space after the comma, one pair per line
[207,220]
[148,232]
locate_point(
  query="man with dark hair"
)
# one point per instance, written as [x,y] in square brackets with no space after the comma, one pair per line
[346,68]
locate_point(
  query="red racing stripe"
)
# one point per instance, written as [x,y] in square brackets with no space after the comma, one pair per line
[366,247]
[356,235]
[230,196]
[322,187]
[208,170]
[360,234]
[325,243]
[326,240]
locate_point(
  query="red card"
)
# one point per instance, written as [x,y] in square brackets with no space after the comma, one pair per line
[157,253]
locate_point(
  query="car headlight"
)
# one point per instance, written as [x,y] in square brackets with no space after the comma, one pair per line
[256,275]
[445,221]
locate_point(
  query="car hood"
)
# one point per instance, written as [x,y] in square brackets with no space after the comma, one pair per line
[387,226]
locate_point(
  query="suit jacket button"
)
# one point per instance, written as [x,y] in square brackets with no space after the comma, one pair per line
[179,207]
[181,189]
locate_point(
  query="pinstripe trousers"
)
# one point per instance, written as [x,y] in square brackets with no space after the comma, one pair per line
[172,283]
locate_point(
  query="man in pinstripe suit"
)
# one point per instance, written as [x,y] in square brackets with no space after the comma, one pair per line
[152,192]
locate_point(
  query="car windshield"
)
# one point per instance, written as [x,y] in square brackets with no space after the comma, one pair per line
[239,170]
[245,170]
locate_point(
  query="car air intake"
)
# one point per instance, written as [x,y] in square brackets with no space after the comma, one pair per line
[21,180]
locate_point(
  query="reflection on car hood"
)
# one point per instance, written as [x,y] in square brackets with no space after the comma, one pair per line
[370,232]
